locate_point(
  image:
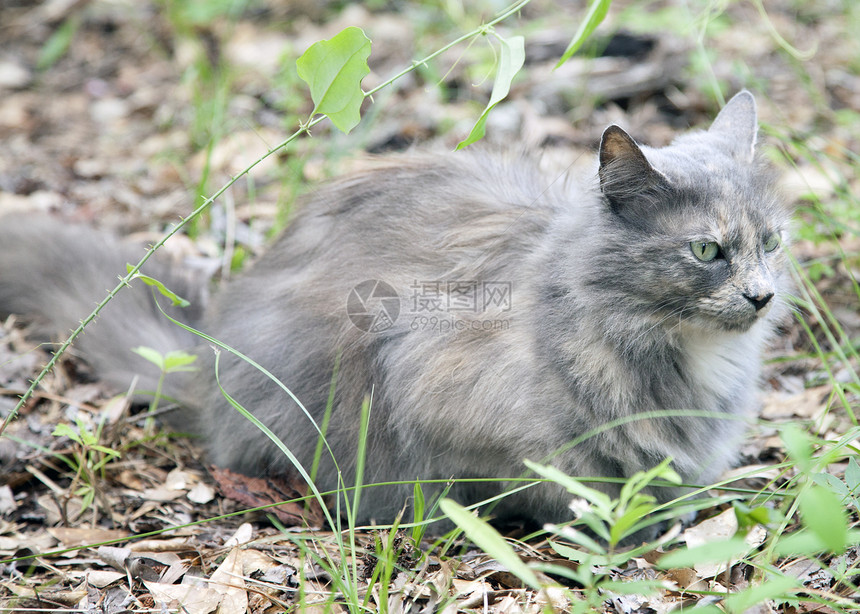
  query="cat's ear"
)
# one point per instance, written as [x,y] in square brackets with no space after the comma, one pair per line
[624,171]
[737,124]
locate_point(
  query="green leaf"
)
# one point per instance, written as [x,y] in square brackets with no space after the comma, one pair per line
[64,430]
[150,354]
[773,587]
[832,483]
[566,572]
[87,437]
[58,43]
[821,512]
[580,538]
[803,543]
[632,587]
[797,445]
[418,504]
[852,475]
[708,553]
[600,500]
[177,360]
[641,479]
[489,540]
[511,59]
[177,300]
[751,516]
[105,450]
[633,514]
[595,15]
[89,494]
[806,543]
[333,69]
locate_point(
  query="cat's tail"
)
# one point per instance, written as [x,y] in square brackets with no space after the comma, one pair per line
[55,274]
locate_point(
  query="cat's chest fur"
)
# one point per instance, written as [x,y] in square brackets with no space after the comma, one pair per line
[716,361]
[689,398]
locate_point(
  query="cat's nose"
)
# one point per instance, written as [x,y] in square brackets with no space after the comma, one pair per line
[759,301]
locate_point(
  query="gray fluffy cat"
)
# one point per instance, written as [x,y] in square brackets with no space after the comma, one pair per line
[494,312]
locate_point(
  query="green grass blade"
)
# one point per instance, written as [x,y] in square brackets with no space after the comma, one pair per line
[708,553]
[489,540]
[511,59]
[274,438]
[58,43]
[177,300]
[596,13]
[329,407]
[773,587]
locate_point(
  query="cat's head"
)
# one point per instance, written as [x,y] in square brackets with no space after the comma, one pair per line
[698,223]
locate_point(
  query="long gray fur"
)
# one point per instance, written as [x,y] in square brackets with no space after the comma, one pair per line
[610,315]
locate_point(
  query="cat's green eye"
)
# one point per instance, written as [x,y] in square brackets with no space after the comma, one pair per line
[705,250]
[772,242]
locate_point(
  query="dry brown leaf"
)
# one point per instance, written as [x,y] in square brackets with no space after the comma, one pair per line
[130,479]
[84,536]
[64,597]
[555,597]
[36,542]
[7,500]
[162,494]
[230,584]
[255,492]
[809,573]
[113,556]
[101,578]
[201,493]
[480,597]
[808,404]
[259,563]
[171,544]
[163,567]
[242,536]
[192,599]
[508,605]
[686,579]
[54,515]
[145,508]
[718,528]
[180,479]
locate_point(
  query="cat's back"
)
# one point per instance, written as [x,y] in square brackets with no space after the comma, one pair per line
[473,216]
[448,209]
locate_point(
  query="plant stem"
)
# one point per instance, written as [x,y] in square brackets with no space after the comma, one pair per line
[149,423]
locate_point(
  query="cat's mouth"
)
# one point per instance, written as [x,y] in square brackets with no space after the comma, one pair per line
[742,322]
[735,315]
[738,320]
[740,325]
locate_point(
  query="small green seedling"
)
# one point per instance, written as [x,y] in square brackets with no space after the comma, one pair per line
[172,362]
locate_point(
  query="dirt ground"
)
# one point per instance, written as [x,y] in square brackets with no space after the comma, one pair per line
[125,115]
